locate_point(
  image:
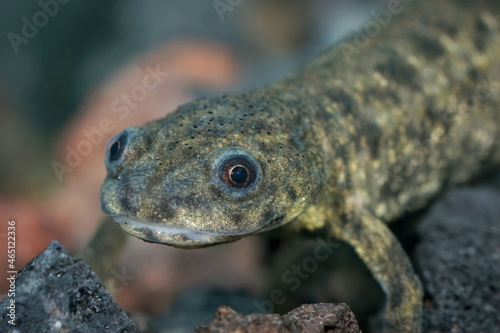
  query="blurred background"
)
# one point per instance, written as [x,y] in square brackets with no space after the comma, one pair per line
[71,76]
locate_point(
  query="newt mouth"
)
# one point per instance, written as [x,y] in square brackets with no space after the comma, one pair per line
[172,234]
[159,230]
[177,231]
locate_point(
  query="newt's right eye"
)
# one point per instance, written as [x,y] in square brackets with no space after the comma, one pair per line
[116,147]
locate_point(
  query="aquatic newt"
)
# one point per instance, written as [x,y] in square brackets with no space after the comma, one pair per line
[381,122]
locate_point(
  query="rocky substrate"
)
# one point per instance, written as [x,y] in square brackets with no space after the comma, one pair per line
[57,292]
[312,318]
[459,262]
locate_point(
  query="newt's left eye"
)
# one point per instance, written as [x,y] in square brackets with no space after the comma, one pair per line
[238,173]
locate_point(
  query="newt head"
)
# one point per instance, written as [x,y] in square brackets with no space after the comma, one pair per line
[213,171]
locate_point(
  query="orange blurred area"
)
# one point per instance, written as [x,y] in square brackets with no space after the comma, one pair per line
[33,231]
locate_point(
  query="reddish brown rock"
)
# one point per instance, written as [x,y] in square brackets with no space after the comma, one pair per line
[311,318]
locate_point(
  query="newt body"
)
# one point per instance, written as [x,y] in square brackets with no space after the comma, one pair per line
[349,142]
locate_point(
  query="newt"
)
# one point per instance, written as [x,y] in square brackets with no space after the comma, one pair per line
[346,143]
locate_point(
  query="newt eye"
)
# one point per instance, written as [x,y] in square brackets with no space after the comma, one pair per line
[116,147]
[238,173]
[124,148]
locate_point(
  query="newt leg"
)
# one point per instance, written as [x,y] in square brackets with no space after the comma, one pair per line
[104,250]
[381,251]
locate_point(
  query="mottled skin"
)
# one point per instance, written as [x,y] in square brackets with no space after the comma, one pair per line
[347,143]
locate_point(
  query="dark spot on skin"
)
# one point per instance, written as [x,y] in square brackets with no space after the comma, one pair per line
[430,47]
[373,133]
[447,28]
[396,294]
[381,95]
[269,216]
[393,95]
[436,115]
[481,26]
[415,130]
[480,43]
[291,193]
[344,100]
[350,221]
[397,68]
[482,34]
[398,286]
[473,73]
[150,235]
[392,186]
[236,218]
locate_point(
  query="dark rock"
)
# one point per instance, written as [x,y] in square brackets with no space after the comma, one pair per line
[57,292]
[459,262]
[311,318]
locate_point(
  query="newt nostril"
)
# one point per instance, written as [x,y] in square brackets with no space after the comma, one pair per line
[116,147]
[129,199]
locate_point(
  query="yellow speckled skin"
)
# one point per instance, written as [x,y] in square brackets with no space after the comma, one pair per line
[349,142]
